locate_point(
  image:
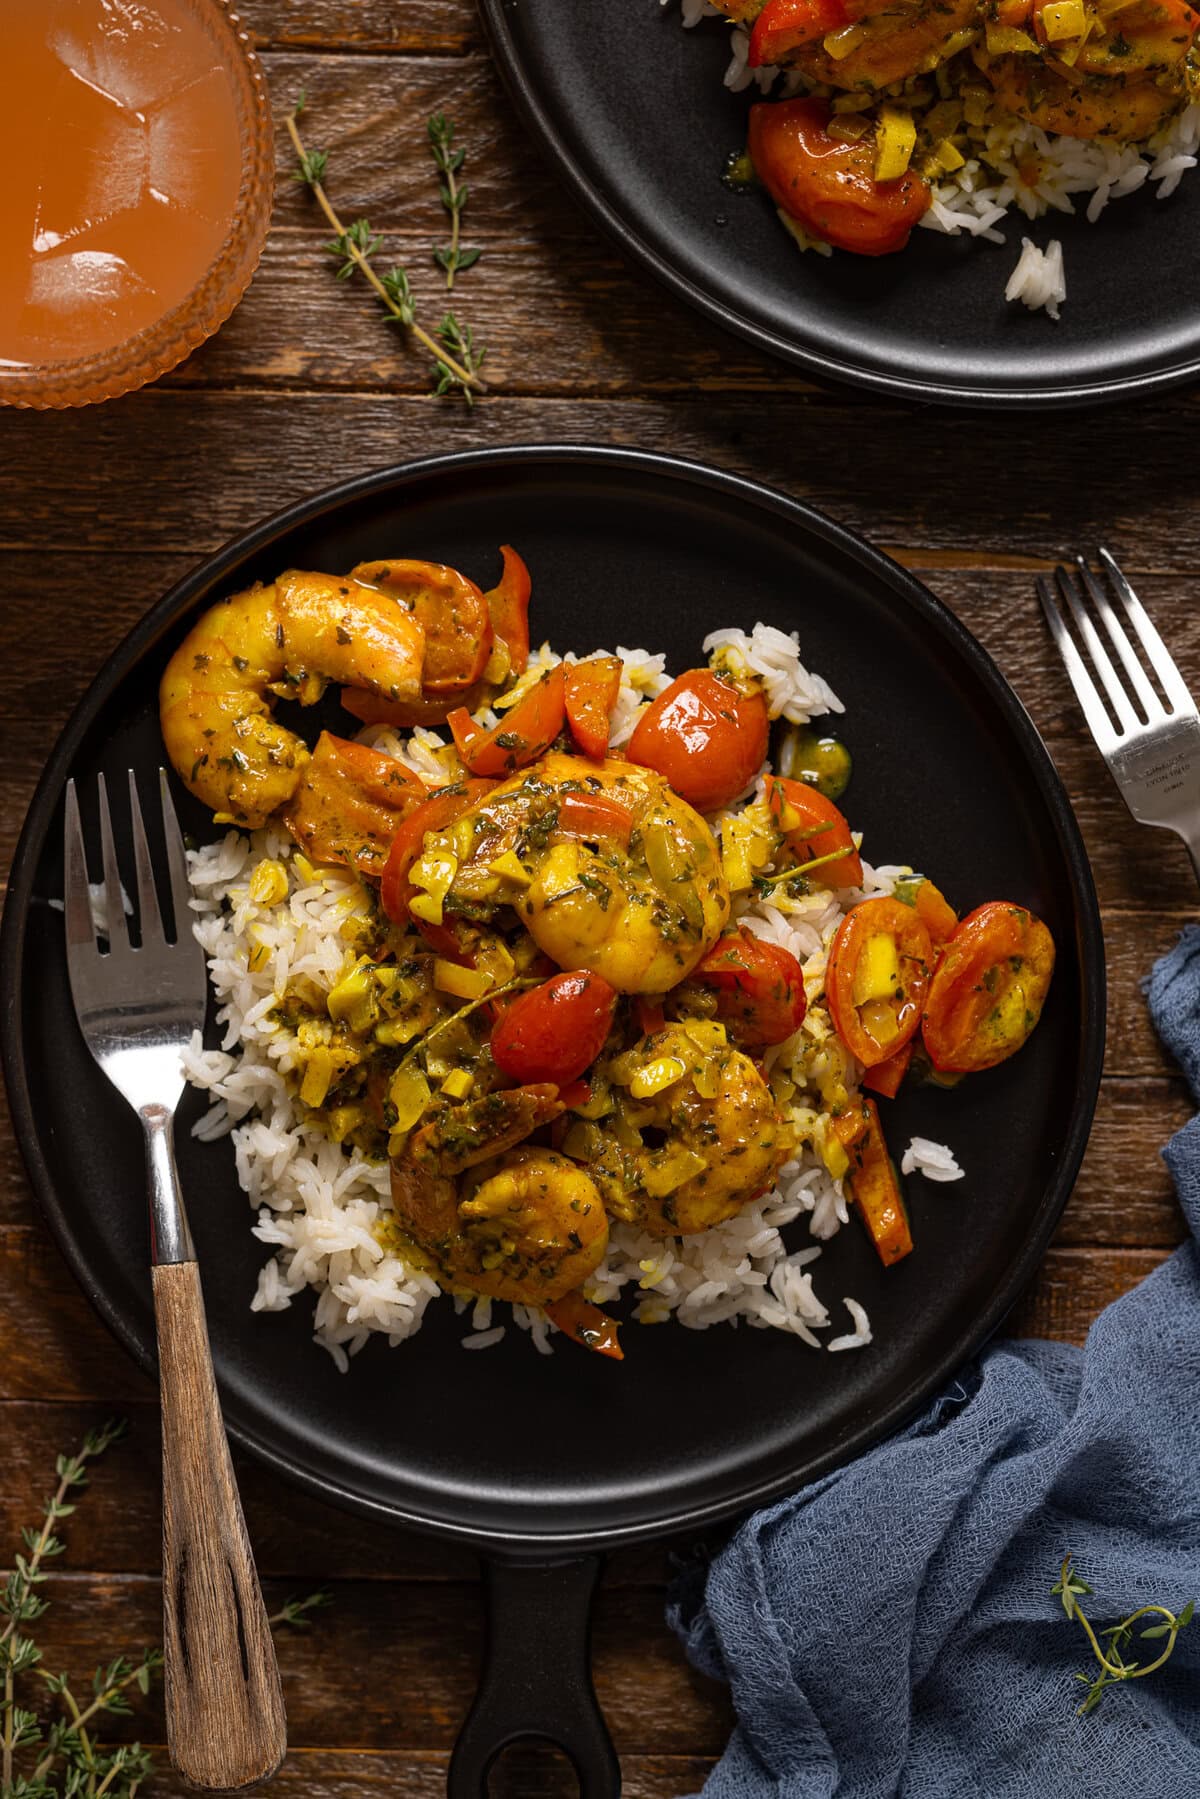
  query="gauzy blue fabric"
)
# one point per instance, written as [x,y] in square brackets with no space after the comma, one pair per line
[890,1629]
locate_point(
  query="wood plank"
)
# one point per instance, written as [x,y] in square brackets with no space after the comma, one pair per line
[423,1644]
[1073,1287]
[524,1772]
[340,26]
[220,462]
[296,1538]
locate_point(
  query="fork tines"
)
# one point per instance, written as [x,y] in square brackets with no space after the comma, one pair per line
[1078,586]
[157,927]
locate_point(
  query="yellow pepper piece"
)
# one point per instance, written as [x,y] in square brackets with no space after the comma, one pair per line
[1006,40]
[509,867]
[840,43]
[706,1034]
[268,883]
[409,1094]
[877,975]
[318,1073]
[1064,18]
[653,1076]
[463,983]
[943,159]
[458,1083]
[433,871]
[352,1002]
[895,141]
[668,1174]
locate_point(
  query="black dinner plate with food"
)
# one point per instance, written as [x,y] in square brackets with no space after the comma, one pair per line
[534,1454]
[632,112]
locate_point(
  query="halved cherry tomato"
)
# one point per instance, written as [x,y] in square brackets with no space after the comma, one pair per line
[590,690]
[555,1031]
[988,993]
[786,25]
[813,828]
[585,1323]
[828,185]
[876,978]
[594,817]
[706,736]
[760,987]
[437,813]
[886,1077]
[871,1182]
[523,734]
[453,612]
[508,607]
[347,807]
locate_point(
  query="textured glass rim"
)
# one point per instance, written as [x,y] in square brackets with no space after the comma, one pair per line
[162,345]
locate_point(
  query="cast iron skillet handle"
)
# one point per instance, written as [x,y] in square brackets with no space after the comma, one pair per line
[537,1677]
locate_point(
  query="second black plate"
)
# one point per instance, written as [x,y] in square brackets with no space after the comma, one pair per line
[632,111]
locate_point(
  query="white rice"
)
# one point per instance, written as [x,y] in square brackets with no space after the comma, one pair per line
[936,1161]
[318,1205]
[1038,278]
[977,198]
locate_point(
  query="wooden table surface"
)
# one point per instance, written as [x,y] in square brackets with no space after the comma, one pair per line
[102,509]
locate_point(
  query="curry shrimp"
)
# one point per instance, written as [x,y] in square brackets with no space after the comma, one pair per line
[889,106]
[568,996]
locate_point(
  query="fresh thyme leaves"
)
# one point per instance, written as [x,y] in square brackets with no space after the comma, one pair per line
[455,355]
[292,1613]
[453,258]
[460,341]
[1113,1665]
[61,1756]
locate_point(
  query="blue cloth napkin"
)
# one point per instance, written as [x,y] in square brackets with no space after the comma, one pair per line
[890,1630]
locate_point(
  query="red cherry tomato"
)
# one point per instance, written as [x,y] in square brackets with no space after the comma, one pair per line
[706,736]
[878,935]
[786,25]
[760,988]
[591,690]
[813,829]
[555,1031]
[989,989]
[829,186]
[524,733]
[508,608]
[347,807]
[437,813]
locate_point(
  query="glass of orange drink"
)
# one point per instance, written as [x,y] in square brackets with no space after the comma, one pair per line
[137,194]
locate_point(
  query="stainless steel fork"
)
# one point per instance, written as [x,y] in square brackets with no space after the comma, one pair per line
[137,1008]
[1150,740]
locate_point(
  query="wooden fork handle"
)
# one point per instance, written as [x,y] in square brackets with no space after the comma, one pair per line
[225,1720]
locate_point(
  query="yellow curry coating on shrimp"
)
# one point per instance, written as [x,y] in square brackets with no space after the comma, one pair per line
[286,640]
[606,868]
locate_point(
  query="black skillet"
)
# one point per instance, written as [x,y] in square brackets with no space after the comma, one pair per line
[541,1463]
[632,113]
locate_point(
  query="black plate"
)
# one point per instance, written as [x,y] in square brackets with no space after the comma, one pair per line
[572,1451]
[631,110]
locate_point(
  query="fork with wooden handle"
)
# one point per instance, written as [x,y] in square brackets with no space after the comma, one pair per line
[137,1009]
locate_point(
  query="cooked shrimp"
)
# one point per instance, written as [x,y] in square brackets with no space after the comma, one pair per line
[531,1229]
[891,43]
[1077,105]
[720,1139]
[287,639]
[607,869]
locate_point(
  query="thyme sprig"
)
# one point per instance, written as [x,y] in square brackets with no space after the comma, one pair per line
[453,258]
[354,245]
[1113,1664]
[63,1755]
